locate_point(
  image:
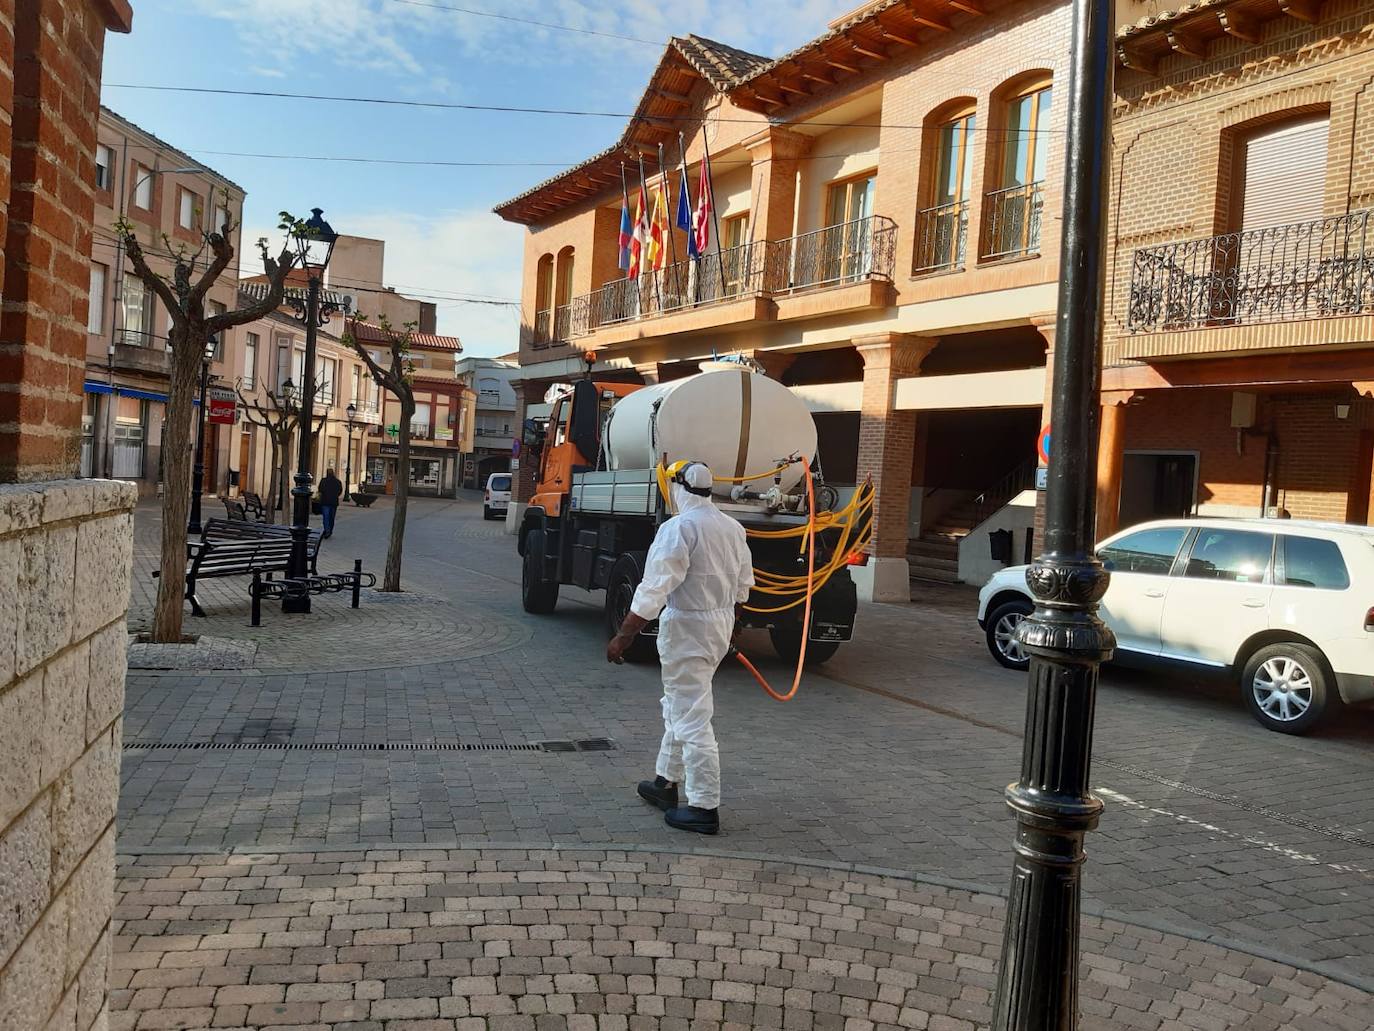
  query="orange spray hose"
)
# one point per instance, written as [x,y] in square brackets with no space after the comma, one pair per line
[806,616]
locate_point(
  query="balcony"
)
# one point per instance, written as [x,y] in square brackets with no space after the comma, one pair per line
[1011,222]
[941,238]
[750,278]
[137,351]
[1285,273]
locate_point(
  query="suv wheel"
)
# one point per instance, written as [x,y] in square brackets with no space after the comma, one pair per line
[1001,633]
[1287,687]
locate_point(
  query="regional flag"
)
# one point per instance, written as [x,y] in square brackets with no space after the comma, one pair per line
[626,230]
[639,237]
[701,221]
[658,228]
[684,215]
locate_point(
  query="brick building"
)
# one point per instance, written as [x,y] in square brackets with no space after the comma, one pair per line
[888,199]
[1239,352]
[161,191]
[65,544]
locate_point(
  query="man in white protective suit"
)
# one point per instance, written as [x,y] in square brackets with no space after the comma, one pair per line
[697,572]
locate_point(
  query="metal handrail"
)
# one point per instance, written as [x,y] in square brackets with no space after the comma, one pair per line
[1013,483]
[941,237]
[848,252]
[1011,218]
[1279,273]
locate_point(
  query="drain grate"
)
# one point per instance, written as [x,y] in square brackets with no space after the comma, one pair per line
[599,744]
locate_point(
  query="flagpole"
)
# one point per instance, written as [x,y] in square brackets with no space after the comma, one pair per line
[669,228]
[644,192]
[694,272]
[715,211]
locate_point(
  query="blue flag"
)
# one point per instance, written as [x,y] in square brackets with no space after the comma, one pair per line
[626,233]
[684,216]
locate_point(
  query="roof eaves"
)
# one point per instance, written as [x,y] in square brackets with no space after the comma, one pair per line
[1160,19]
[176,151]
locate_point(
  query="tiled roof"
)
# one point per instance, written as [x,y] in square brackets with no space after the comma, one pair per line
[428,341]
[1162,18]
[863,14]
[257,290]
[719,63]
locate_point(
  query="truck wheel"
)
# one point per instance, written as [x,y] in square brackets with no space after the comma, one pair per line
[786,638]
[620,591]
[537,594]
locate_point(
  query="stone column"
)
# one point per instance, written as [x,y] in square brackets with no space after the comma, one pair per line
[887,439]
[1110,456]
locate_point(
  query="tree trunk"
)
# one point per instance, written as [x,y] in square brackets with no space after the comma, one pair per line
[176,491]
[284,476]
[391,579]
[272,468]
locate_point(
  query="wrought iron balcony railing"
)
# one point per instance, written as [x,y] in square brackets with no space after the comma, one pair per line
[1276,274]
[837,255]
[941,238]
[1011,220]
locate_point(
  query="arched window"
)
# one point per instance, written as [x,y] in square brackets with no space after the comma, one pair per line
[942,222]
[543,300]
[1018,161]
[562,303]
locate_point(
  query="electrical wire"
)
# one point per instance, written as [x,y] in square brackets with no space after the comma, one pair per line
[528,21]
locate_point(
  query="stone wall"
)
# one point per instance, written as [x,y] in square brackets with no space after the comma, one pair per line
[66,549]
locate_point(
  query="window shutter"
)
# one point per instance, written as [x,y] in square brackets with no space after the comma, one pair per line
[1285,174]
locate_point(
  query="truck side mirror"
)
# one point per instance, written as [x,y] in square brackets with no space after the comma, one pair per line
[532,435]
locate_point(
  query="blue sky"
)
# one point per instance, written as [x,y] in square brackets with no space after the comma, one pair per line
[441,236]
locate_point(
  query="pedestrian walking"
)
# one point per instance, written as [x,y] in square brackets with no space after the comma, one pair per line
[330,489]
[698,571]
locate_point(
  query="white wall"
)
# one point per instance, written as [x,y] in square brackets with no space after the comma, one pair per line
[975,561]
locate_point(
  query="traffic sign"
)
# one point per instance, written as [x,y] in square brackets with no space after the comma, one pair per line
[1042,444]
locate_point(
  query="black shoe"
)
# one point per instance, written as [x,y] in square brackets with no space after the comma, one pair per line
[690,818]
[659,792]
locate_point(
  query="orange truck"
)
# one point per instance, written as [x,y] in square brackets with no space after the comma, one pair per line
[600,498]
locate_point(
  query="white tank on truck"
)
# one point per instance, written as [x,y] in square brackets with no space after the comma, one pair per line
[739,422]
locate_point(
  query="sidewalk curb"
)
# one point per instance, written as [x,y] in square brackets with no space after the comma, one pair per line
[1330,971]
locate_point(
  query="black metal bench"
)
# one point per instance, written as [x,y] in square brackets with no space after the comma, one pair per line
[297,586]
[235,511]
[231,548]
[252,503]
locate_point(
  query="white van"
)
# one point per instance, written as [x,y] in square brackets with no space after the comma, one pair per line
[496,499]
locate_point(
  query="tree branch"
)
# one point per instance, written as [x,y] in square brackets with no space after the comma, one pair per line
[151,279]
[276,270]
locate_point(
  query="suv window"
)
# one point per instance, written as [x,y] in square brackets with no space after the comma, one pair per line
[1149,551]
[1238,556]
[1311,562]
[500,483]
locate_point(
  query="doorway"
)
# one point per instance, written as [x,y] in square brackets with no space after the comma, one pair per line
[245,457]
[210,458]
[1157,485]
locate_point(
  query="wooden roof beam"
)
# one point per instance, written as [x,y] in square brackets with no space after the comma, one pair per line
[870,50]
[890,32]
[680,98]
[795,90]
[973,7]
[1239,24]
[1135,60]
[850,68]
[930,22]
[1309,11]
[1183,42]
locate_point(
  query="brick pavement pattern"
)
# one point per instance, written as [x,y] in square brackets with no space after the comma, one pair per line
[541,940]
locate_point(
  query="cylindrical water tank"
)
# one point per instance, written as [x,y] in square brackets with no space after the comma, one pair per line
[738,422]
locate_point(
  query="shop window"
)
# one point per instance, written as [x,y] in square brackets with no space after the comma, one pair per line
[424,472]
[131,420]
[88,420]
[376,471]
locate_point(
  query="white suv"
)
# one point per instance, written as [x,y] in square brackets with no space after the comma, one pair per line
[1280,603]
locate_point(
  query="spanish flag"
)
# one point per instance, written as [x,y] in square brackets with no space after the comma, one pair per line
[658,228]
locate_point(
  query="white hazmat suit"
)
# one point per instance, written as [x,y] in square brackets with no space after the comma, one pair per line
[697,570]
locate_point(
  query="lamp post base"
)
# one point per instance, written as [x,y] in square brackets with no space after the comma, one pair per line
[296,603]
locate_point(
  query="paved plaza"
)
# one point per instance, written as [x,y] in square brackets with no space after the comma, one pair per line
[420,814]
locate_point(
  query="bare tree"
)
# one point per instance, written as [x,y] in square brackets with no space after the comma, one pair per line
[395,376]
[191,328]
[280,417]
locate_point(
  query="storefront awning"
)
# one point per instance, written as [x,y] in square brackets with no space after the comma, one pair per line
[143,395]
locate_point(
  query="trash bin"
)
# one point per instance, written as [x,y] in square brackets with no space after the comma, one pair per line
[1000,542]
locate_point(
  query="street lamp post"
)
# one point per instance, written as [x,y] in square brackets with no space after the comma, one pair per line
[314,241]
[198,469]
[352,411]
[1037,984]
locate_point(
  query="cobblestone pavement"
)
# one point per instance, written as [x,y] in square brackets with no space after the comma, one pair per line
[517,940]
[1215,828]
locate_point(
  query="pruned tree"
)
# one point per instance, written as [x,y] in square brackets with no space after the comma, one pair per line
[280,417]
[394,374]
[193,274]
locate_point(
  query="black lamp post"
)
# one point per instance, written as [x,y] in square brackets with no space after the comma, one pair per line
[1037,984]
[288,404]
[314,242]
[198,469]
[352,411]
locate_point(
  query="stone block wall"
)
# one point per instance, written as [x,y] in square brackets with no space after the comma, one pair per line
[66,549]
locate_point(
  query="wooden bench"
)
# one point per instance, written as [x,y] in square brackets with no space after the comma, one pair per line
[232,548]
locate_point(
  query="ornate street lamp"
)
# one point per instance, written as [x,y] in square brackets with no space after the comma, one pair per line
[1037,984]
[314,242]
[352,411]
[198,469]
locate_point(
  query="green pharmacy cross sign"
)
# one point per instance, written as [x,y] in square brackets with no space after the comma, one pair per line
[393,431]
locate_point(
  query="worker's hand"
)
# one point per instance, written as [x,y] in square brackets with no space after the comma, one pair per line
[615,649]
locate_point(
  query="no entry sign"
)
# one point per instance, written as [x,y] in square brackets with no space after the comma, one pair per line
[1042,444]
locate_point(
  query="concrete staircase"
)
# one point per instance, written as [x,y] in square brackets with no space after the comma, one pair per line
[934,556]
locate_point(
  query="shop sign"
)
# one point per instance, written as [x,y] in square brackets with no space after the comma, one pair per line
[223,407]
[443,433]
